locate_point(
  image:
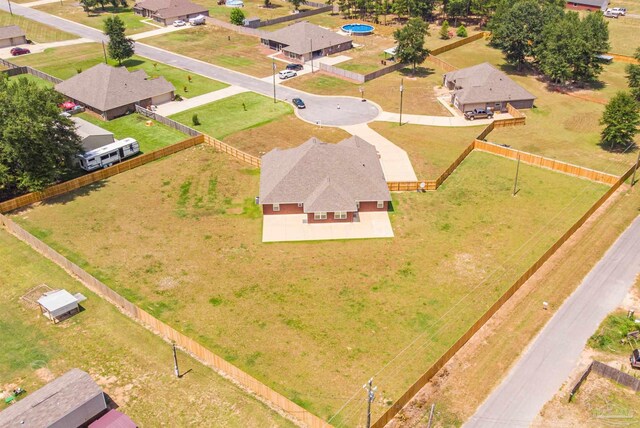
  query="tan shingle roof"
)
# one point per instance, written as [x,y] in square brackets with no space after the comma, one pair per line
[104,87]
[298,37]
[485,83]
[10,32]
[324,177]
[52,402]
[171,8]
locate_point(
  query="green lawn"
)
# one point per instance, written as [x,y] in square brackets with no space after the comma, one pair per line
[72,10]
[134,125]
[65,62]
[431,149]
[32,78]
[623,35]
[313,320]
[35,31]
[233,114]
[252,8]
[130,363]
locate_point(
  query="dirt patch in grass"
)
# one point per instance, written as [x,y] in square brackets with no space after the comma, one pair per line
[431,149]
[285,132]
[34,30]
[314,319]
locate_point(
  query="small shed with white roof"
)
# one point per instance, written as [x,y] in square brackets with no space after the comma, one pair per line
[58,304]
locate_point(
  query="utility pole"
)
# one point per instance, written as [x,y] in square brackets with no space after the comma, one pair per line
[515,183]
[371,393]
[311,42]
[10,11]
[433,406]
[175,361]
[633,179]
[273,66]
[401,92]
[104,51]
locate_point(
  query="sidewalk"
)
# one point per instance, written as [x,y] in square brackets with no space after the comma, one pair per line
[395,161]
[174,107]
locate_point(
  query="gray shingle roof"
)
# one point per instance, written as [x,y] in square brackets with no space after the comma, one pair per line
[52,402]
[10,32]
[298,37]
[171,8]
[86,129]
[324,177]
[602,4]
[104,87]
[485,83]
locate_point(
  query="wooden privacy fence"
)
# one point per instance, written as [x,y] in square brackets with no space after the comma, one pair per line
[430,373]
[166,331]
[578,384]
[238,154]
[409,186]
[357,77]
[457,44]
[541,161]
[454,165]
[444,65]
[608,372]
[624,58]
[166,121]
[76,183]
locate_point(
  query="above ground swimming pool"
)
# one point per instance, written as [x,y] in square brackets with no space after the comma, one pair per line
[358,29]
[234,3]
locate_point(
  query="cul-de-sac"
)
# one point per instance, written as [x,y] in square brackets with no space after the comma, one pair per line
[323,213]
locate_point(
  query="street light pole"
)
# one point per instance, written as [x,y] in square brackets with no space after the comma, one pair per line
[10,11]
[401,92]
[273,66]
[362,93]
[311,43]
[371,393]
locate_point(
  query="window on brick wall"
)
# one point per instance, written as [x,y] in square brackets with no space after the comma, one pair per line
[340,215]
[380,205]
[300,205]
[319,216]
[276,207]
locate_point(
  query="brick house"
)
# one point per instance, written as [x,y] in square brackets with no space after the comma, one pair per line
[302,41]
[592,5]
[114,91]
[483,86]
[327,182]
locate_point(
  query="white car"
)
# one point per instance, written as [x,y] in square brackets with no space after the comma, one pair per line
[618,10]
[609,14]
[179,23]
[285,74]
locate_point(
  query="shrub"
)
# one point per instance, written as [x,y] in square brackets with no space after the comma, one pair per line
[461,31]
[237,16]
[195,120]
[177,97]
[444,31]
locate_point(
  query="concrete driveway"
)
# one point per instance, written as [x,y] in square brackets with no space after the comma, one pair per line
[548,362]
[322,109]
[417,119]
[40,47]
[174,107]
[293,227]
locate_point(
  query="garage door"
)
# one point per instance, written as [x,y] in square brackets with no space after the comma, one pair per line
[160,99]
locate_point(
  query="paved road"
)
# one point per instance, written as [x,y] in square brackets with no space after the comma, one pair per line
[323,110]
[546,365]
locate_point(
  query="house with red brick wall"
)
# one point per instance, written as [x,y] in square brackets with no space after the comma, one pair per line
[592,5]
[329,183]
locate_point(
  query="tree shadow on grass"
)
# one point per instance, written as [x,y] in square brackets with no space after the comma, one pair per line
[419,72]
[619,149]
[132,62]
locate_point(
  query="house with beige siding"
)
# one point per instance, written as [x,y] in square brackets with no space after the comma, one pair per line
[302,41]
[167,11]
[12,35]
[114,91]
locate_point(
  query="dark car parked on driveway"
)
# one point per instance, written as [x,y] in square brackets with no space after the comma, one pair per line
[478,113]
[298,103]
[19,51]
[294,67]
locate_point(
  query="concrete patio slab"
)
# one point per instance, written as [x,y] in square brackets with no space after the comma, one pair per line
[332,60]
[293,227]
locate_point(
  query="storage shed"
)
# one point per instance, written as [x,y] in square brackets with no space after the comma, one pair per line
[91,136]
[58,304]
[72,400]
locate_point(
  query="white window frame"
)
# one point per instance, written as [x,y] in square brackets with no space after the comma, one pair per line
[340,215]
[380,205]
[300,204]
[320,216]
[276,208]
[358,204]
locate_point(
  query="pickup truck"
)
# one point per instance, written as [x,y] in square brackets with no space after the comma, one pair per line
[478,113]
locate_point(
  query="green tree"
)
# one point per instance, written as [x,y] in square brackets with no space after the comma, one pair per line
[88,5]
[410,39]
[633,76]
[461,31]
[236,17]
[37,144]
[297,3]
[444,30]
[621,118]
[120,47]
[456,9]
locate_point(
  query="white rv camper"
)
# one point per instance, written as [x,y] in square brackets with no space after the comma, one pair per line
[105,156]
[198,20]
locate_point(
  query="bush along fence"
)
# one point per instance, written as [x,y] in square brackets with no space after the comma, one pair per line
[16,70]
[608,372]
[433,370]
[158,327]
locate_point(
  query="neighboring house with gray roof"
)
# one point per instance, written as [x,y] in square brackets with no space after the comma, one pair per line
[593,5]
[12,35]
[114,91]
[327,182]
[92,136]
[485,87]
[302,40]
[168,11]
[72,400]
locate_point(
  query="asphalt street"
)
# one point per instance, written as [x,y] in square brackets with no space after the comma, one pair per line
[323,110]
[551,357]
